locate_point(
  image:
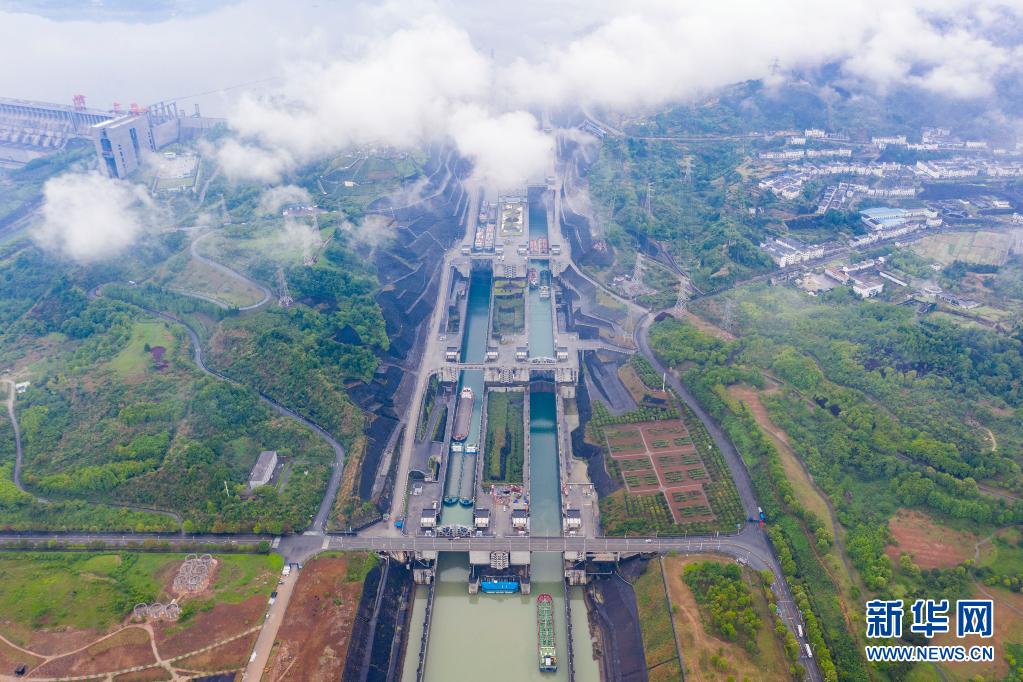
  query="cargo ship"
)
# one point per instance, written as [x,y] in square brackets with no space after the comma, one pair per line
[533,276]
[545,633]
[463,415]
[545,291]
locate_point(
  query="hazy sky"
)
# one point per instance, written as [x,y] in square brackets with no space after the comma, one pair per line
[237,43]
[608,52]
[321,76]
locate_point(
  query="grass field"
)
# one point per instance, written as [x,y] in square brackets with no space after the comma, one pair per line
[96,591]
[708,656]
[969,247]
[1008,634]
[504,453]
[509,306]
[134,359]
[244,247]
[659,648]
[197,277]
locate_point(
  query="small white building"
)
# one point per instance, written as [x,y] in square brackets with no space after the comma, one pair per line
[263,471]
[788,251]
[481,518]
[867,288]
[428,517]
[520,519]
[573,520]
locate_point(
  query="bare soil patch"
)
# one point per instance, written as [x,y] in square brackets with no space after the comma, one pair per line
[313,641]
[633,384]
[1008,628]
[707,327]
[230,656]
[206,627]
[156,674]
[49,642]
[128,648]
[929,543]
[10,658]
[804,486]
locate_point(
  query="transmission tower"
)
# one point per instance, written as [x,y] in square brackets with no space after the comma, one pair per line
[284,298]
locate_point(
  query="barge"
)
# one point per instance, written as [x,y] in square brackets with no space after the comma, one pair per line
[463,415]
[545,633]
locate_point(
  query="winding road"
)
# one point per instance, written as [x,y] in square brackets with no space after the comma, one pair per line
[320,520]
[229,272]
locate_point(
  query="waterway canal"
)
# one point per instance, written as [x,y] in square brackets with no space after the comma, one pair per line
[461,473]
[490,636]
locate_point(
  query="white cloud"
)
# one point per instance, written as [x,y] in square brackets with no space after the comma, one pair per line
[271,200]
[656,52]
[248,162]
[507,149]
[89,217]
[407,72]
[373,230]
[428,82]
[301,234]
[421,84]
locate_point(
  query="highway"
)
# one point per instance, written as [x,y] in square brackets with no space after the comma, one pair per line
[748,544]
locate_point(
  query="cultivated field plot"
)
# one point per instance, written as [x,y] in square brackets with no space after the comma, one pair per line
[659,457]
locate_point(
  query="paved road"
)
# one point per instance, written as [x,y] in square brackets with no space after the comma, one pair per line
[789,612]
[431,351]
[144,540]
[749,543]
[271,626]
[319,522]
[18,450]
